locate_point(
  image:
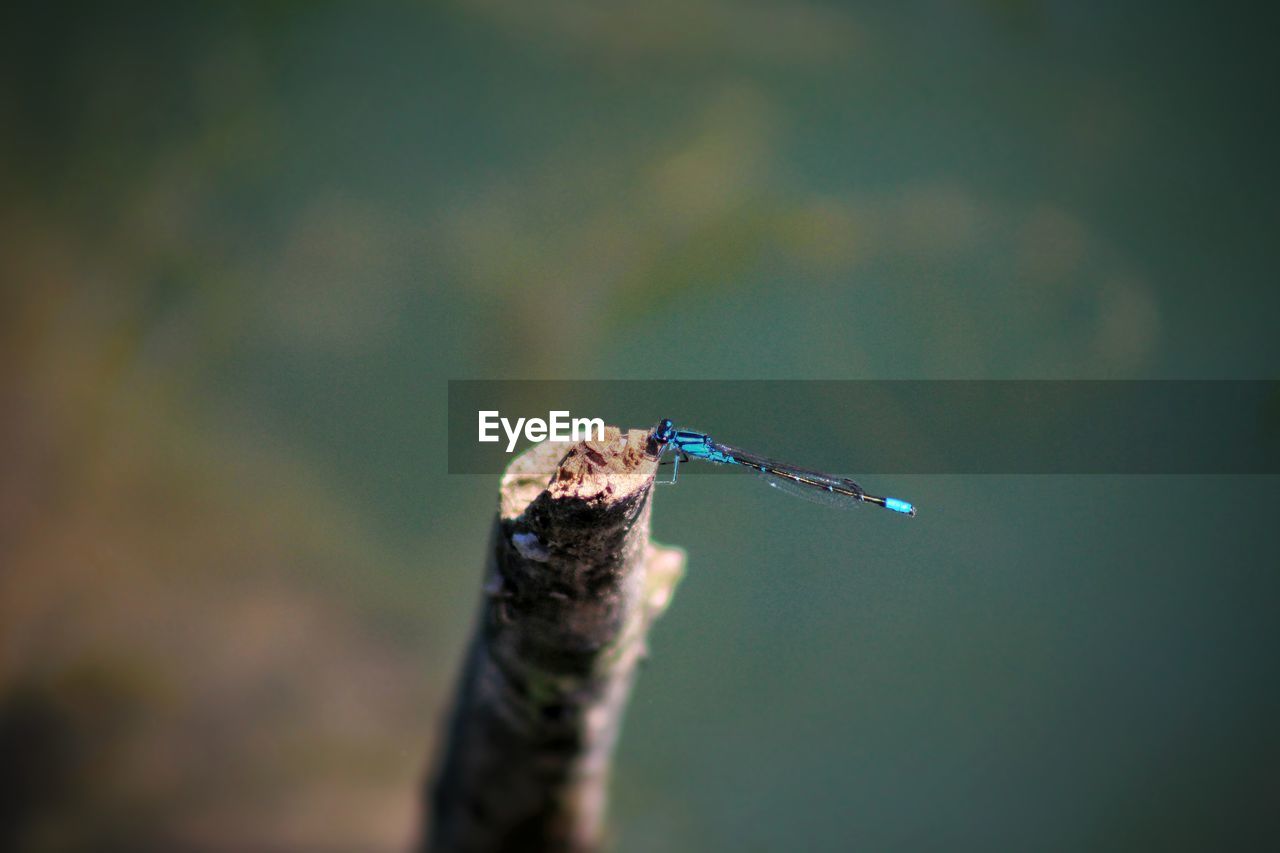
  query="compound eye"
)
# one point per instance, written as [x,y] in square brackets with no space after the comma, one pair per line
[665,430]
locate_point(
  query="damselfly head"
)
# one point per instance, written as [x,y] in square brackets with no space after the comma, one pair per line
[664,431]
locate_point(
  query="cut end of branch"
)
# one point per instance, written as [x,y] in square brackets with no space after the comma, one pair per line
[611,470]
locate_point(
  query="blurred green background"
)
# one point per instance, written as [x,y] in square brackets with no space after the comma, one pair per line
[245,246]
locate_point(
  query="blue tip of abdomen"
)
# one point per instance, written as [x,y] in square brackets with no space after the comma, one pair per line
[899,506]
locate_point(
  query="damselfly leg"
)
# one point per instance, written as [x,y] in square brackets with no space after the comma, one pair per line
[674,462]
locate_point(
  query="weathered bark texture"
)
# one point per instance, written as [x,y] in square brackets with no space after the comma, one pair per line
[572,586]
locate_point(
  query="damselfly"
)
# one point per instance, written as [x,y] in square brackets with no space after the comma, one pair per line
[802,482]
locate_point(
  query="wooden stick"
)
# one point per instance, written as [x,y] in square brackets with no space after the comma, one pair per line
[571,589]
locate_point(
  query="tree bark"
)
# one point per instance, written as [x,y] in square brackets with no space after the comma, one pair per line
[571,588]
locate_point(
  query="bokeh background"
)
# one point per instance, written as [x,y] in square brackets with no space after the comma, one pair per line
[245,245]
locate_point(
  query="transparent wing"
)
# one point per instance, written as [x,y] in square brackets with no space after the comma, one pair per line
[839,500]
[826,489]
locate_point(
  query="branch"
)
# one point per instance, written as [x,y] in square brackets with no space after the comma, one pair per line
[571,589]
